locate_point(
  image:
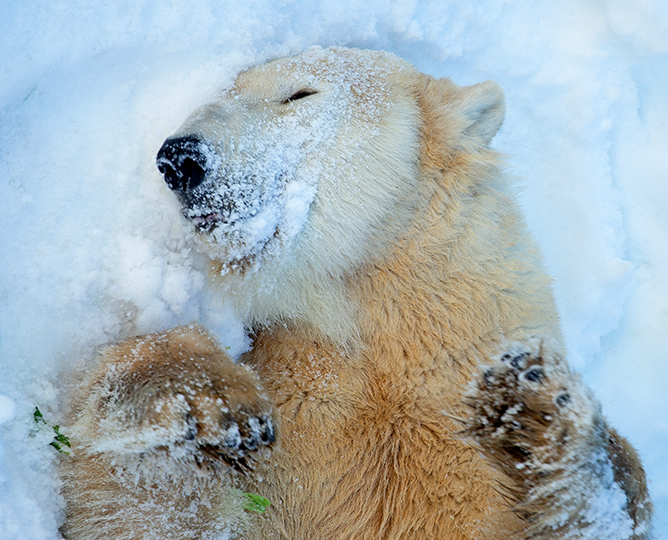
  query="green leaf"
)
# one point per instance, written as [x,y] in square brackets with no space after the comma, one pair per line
[255,503]
[57,446]
[59,439]
[37,416]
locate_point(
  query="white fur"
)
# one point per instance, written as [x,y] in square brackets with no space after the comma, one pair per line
[348,168]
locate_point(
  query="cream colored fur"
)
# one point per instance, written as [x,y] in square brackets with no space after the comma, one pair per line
[371,314]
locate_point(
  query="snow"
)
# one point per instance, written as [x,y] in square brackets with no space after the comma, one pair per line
[7,409]
[94,248]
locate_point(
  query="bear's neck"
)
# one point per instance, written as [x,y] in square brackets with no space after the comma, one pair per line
[456,283]
[465,274]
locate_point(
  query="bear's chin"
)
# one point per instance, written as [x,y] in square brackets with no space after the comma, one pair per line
[235,252]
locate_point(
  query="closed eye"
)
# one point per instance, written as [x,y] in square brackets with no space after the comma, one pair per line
[304,92]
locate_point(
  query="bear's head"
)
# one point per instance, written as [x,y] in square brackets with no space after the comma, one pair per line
[311,167]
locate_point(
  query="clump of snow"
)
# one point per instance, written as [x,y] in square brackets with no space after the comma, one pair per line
[95,247]
[7,409]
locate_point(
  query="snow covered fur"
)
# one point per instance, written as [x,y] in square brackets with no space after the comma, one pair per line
[359,221]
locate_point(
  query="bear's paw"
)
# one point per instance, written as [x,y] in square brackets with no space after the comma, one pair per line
[565,471]
[529,410]
[177,398]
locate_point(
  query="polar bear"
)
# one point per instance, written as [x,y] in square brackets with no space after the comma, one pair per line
[406,378]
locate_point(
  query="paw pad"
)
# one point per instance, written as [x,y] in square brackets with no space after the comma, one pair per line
[534,374]
[259,432]
[240,436]
[563,399]
[517,360]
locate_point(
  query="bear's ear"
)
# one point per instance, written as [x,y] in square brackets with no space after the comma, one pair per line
[484,109]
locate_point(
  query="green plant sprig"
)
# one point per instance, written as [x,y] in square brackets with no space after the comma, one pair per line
[255,503]
[59,440]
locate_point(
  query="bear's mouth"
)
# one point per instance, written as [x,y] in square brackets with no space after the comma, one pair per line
[235,240]
[208,210]
[240,216]
[206,217]
[205,222]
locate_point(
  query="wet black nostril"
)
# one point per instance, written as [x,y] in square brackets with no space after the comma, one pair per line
[182,162]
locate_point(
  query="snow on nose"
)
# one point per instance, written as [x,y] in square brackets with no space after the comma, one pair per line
[183,163]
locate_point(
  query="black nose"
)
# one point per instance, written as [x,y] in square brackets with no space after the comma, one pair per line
[182,163]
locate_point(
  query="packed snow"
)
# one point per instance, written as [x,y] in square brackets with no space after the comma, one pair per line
[95,247]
